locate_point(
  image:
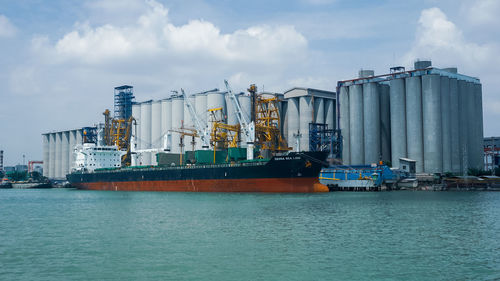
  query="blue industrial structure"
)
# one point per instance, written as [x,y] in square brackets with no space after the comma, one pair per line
[358,177]
[124,96]
[323,139]
[89,134]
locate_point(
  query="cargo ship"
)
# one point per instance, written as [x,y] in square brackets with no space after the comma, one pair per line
[99,168]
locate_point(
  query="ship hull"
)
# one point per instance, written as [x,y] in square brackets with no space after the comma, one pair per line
[297,172]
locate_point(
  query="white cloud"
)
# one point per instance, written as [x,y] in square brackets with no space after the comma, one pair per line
[441,40]
[482,12]
[6,27]
[153,33]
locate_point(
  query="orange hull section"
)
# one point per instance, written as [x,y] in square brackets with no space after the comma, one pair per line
[302,185]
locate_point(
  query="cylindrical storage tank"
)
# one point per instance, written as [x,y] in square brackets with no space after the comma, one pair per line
[59,155]
[463,127]
[201,107]
[136,129]
[146,115]
[231,111]
[306,117]
[189,123]
[414,131]
[454,127]
[177,117]
[72,143]
[201,111]
[398,120]
[216,100]
[156,139]
[356,119]
[472,125]
[385,122]
[293,123]
[65,153]
[188,120]
[344,125]
[371,122]
[330,113]
[79,137]
[166,118]
[446,123]
[46,154]
[478,100]
[432,123]
[52,155]
[284,119]
[319,110]
[245,101]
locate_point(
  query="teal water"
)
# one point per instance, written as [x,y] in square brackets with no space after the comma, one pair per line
[97,235]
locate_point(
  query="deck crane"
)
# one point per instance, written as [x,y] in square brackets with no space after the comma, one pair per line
[248,128]
[137,152]
[200,130]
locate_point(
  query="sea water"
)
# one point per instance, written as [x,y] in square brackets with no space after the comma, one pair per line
[62,234]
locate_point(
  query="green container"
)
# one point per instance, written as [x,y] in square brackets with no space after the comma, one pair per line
[207,156]
[237,153]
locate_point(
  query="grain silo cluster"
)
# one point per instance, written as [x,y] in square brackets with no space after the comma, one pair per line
[58,153]
[430,115]
[160,123]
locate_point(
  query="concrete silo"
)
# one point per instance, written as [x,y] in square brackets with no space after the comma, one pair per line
[319,110]
[156,138]
[397,94]
[136,130]
[463,126]
[454,127]
[216,100]
[166,118]
[330,111]
[64,153]
[284,120]
[201,111]
[46,154]
[432,123]
[188,121]
[245,101]
[357,139]
[371,122]
[58,159]
[306,117]
[293,124]
[344,125]
[385,122]
[146,132]
[414,131]
[177,119]
[72,144]
[478,101]
[446,123]
[231,111]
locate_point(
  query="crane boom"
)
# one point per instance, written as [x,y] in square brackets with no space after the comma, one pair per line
[247,127]
[202,131]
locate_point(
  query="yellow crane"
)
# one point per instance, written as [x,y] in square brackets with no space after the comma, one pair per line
[118,132]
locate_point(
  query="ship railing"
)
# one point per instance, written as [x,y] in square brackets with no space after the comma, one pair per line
[156,168]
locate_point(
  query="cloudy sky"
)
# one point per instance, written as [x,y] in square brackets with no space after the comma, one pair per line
[60,60]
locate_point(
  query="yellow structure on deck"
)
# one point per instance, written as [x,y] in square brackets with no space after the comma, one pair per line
[118,132]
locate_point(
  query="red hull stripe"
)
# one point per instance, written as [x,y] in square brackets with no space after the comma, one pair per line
[304,185]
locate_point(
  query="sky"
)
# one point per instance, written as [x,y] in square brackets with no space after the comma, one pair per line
[60,60]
